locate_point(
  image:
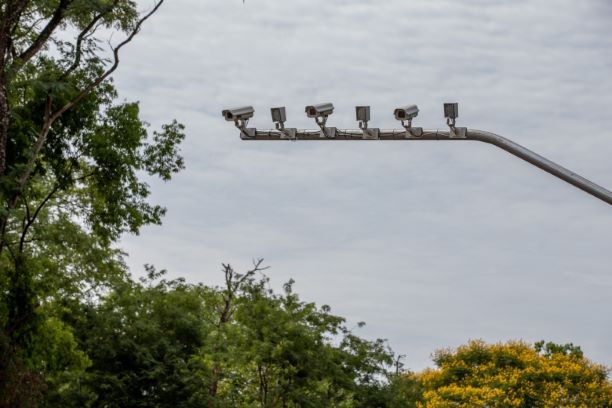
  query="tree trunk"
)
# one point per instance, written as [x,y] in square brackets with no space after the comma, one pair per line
[216,371]
[6,22]
[4,123]
[21,303]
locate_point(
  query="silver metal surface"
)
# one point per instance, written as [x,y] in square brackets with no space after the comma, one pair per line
[288,133]
[456,134]
[328,133]
[408,112]
[241,113]
[279,114]
[451,110]
[323,109]
[543,163]
[362,113]
[371,133]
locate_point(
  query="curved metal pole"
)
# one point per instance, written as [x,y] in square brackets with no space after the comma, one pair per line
[466,134]
[541,162]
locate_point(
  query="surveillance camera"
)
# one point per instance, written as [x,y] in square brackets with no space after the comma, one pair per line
[451,110]
[279,114]
[279,117]
[408,112]
[323,109]
[242,113]
[362,113]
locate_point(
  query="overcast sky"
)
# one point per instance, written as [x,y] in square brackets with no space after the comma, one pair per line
[430,243]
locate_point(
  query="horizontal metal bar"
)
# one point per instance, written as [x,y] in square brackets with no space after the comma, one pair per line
[347,134]
[471,134]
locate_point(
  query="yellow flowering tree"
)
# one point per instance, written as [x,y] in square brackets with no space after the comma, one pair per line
[515,374]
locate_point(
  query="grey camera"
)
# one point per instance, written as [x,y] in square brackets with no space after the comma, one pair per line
[451,110]
[362,113]
[323,109]
[408,112]
[242,113]
[278,114]
[279,117]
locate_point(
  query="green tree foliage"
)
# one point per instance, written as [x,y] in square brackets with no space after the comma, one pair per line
[515,374]
[143,341]
[283,352]
[71,165]
[159,343]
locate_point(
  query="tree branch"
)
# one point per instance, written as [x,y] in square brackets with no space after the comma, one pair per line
[82,35]
[13,13]
[43,36]
[27,207]
[256,268]
[10,251]
[87,90]
[51,118]
[29,29]
[35,215]
[23,179]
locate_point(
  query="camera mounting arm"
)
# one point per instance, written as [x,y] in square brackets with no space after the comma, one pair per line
[454,133]
[470,134]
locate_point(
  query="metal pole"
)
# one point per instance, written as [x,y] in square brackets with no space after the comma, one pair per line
[543,163]
[467,134]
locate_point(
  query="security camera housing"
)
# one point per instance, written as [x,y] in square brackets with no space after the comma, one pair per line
[279,114]
[451,110]
[242,113]
[406,112]
[323,109]
[362,113]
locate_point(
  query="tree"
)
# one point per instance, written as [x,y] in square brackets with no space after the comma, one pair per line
[515,374]
[223,303]
[143,341]
[274,350]
[155,342]
[71,163]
